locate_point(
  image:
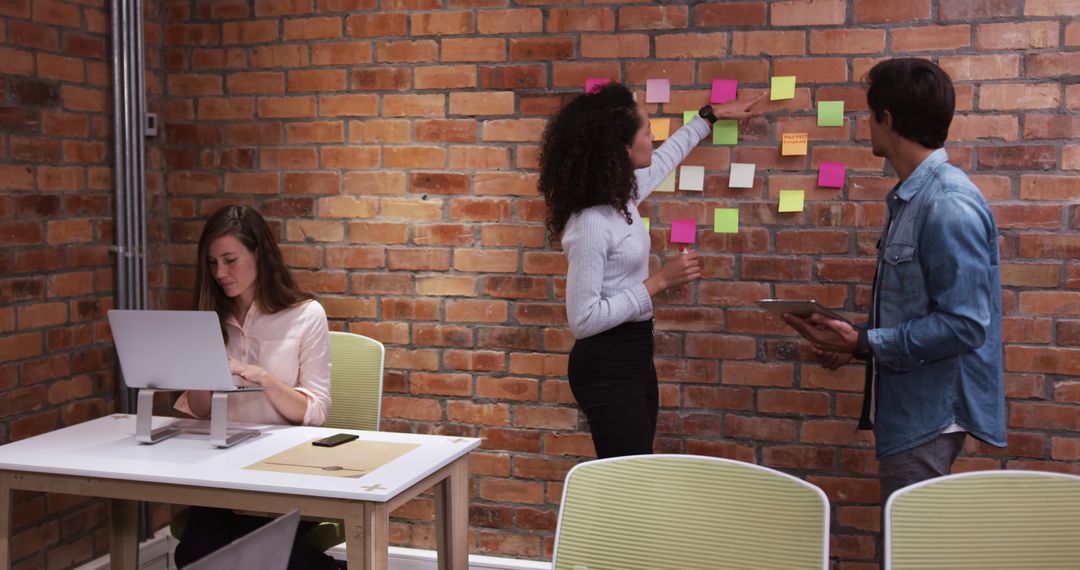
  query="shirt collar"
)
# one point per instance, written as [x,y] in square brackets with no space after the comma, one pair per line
[909,187]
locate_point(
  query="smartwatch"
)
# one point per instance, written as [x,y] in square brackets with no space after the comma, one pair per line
[706,113]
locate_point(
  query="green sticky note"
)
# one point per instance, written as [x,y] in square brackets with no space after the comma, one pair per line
[725,132]
[830,114]
[783,87]
[791,200]
[688,116]
[726,220]
[648,225]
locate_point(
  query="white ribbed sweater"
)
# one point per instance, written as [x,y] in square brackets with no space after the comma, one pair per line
[608,259]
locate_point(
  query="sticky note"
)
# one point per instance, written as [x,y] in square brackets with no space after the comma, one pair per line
[831,174]
[725,132]
[726,220]
[741,175]
[794,144]
[683,230]
[648,224]
[657,91]
[692,178]
[791,200]
[830,113]
[688,116]
[723,90]
[783,87]
[594,83]
[668,185]
[661,128]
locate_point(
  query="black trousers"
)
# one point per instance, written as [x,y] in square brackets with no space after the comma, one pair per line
[613,379]
[208,529]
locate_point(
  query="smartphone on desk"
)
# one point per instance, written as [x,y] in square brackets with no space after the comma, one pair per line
[336,439]
[800,308]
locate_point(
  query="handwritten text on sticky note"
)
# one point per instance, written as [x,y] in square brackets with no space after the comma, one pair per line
[794,144]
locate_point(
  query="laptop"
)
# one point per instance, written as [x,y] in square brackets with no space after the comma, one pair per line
[172,350]
[265,548]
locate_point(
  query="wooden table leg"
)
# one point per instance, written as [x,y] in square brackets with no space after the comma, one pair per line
[452,517]
[367,537]
[123,535]
[5,527]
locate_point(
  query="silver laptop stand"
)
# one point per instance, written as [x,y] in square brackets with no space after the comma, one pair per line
[220,435]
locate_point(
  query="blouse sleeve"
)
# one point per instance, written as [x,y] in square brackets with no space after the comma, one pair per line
[313,379]
[669,155]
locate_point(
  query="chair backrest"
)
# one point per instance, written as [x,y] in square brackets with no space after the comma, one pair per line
[265,548]
[985,520]
[356,379]
[689,512]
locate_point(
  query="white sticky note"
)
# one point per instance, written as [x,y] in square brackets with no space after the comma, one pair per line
[741,176]
[692,178]
[668,185]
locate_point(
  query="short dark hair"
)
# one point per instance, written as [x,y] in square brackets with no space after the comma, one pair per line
[275,288]
[917,93]
[583,156]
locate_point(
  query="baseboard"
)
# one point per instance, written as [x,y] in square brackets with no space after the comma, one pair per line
[156,554]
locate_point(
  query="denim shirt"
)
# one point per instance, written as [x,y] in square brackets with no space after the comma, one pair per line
[936,338]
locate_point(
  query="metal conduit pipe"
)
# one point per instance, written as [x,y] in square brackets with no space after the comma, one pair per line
[129,176]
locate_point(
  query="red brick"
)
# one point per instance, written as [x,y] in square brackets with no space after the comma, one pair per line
[653,17]
[847,41]
[348,105]
[808,12]
[676,46]
[371,25]
[473,49]
[931,38]
[980,67]
[348,53]
[730,14]
[1007,96]
[442,23]
[321,28]
[580,20]
[406,51]
[1051,8]
[773,43]
[541,49]
[880,11]
[519,21]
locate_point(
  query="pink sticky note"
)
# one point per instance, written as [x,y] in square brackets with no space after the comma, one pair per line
[683,230]
[657,91]
[594,83]
[831,174]
[723,90]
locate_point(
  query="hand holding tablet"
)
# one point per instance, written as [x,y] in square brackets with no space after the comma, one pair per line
[800,308]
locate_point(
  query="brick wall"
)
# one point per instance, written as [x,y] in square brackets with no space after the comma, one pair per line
[56,276]
[393,145]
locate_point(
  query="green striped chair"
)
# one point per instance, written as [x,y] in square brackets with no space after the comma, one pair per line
[985,520]
[356,380]
[687,512]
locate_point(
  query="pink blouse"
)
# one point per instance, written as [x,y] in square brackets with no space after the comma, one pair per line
[293,345]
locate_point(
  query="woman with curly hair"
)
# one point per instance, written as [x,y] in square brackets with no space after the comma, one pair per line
[597,164]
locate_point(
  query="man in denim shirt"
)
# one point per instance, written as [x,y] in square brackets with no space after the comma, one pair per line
[933,339]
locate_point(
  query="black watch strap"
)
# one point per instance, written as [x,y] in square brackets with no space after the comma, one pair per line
[706,113]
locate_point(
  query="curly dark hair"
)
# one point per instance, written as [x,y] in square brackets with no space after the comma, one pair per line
[583,156]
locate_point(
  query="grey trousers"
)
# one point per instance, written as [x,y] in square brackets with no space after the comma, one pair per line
[931,459]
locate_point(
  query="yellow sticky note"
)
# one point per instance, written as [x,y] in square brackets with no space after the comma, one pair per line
[726,220]
[794,144]
[791,200]
[647,222]
[668,185]
[783,87]
[661,128]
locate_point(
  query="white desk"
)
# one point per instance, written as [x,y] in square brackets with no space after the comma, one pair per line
[101,458]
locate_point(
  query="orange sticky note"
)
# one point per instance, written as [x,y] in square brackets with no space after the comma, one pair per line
[794,144]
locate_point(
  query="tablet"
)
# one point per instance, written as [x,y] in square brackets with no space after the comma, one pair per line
[801,308]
